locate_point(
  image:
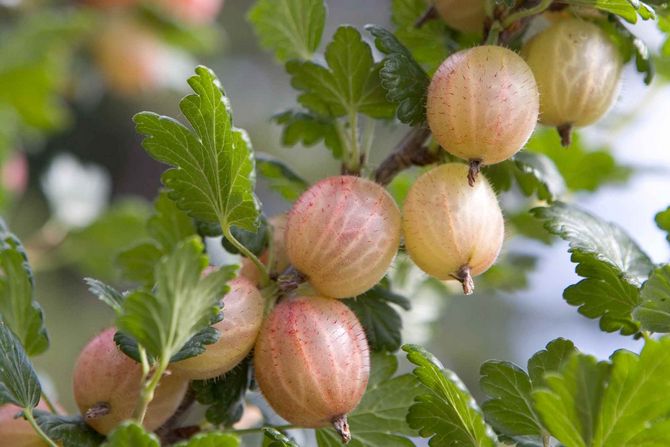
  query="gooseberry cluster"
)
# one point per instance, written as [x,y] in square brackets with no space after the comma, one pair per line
[310,353]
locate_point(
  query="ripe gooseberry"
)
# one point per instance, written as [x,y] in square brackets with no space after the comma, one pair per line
[17,432]
[342,234]
[462,15]
[452,230]
[280,259]
[243,308]
[483,105]
[107,386]
[312,362]
[578,72]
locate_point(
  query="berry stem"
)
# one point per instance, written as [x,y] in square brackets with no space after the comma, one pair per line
[526,12]
[565,132]
[341,426]
[465,277]
[28,414]
[473,172]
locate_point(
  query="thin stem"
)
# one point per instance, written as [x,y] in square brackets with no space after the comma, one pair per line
[354,163]
[144,361]
[247,431]
[28,414]
[265,276]
[148,390]
[527,12]
[50,405]
[546,440]
[368,138]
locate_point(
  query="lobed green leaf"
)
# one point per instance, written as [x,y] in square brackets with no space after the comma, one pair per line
[19,381]
[281,178]
[131,434]
[68,431]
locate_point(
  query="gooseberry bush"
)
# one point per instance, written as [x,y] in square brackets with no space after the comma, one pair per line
[310,318]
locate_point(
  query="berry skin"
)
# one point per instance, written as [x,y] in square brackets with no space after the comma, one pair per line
[18,432]
[578,72]
[483,104]
[452,230]
[107,385]
[281,261]
[342,234]
[243,308]
[312,362]
[462,15]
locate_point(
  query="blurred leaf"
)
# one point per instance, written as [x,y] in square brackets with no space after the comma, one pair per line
[654,309]
[281,178]
[95,247]
[626,9]
[68,431]
[379,420]
[402,77]
[18,308]
[182,305]
[130,434]
[631,46]
[569,405]
[274,438]
[400,186]
[289,28]
[510,273]
[169,225]
[428,44]
[581,169]
[309,129]
[224,396]
[380,320]
[137,263]
[534,174]
[524,224]
[211,440]
[663,221]
[106,294]
[350,84]
[612,263]
[194,38]
[212,167]
[447,413]
[255,241]
[510,409]
[21,385]
[550,359]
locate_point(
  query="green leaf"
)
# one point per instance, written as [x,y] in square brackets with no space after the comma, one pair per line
[550,359]
[380,320]
[569,405]
[212,175]
[130,434]
[612,263]
[663,221]
[430,44]
[211,440]
[447,414]
[68,431]
[224,395]
[274,438]
[631,46]
[534,174]
[281,178]
[94,248]
[510,410]
[582,169]
[107,294]
[636,395]
[182,304]
[510,273]
[309,129]
[403,79]
[18,308]
[653,313]
[626,9]
[137,263]
[21,385]
[350,84]
[379,420]
[289,28]
[169,225]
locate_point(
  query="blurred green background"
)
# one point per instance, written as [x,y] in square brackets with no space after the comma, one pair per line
[68,111]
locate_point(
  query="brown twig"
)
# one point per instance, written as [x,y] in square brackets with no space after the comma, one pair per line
[430,14]
[169,433]
[409,152]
